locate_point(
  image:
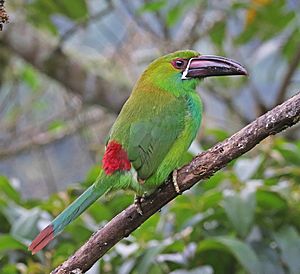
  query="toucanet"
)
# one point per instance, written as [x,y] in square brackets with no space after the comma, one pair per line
[153,131]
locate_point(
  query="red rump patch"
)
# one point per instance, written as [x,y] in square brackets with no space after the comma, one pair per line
[115,158]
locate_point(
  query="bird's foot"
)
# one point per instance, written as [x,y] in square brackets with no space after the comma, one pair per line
[174,179]
[138,203]
[141,181]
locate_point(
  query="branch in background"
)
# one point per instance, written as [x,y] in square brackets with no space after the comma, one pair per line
[260,106]
[39,50]
[139,21]
[4,62]
[187,34]
[287,79]
[9,100]
[70,32]
[228,102]
[191,35]
[4,18]
[201,167]
[81,121]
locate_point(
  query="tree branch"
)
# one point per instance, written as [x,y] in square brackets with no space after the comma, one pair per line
[201,167]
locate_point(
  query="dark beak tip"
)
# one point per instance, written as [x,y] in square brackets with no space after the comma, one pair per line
[245,72]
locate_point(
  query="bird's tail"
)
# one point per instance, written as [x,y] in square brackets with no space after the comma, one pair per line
[100,187]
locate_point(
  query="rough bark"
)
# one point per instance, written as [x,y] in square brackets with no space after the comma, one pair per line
[201,167]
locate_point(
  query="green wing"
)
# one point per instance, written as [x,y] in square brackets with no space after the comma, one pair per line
[150,140]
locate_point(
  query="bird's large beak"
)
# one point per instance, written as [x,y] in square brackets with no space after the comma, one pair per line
[211,65]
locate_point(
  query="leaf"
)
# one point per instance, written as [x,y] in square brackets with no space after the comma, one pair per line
[206,269]
[210,199]
[270,200]
[7,189]
[152,6]
[290,152]
[72,10]
[177,11]
[288,241]
[218,133]
[30,77]
[8,242]
[25,225]
[240,211]
[291,43]
[174,15]
[100,212]
[23,221]
[217,34]
[245,168]
[92,175]
[269,259]
[10,269]
[241,251]
[40,12]
[268,21]
[127,266]
[148,258]
[56,125]
[118,202]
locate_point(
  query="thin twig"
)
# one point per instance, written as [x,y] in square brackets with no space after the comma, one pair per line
[229,103]
[139,21]
[287,78]
[70,32]
[201,167]
[43,138]
[94,87]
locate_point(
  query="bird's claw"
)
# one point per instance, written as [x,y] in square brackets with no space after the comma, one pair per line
[174,179]
[137,202]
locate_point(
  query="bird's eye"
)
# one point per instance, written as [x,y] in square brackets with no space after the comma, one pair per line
[178,63]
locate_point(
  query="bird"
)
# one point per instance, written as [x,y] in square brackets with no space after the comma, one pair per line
[152,132]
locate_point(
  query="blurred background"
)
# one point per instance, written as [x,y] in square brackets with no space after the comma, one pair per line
[66,68]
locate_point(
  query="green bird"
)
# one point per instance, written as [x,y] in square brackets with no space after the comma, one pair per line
[153,131]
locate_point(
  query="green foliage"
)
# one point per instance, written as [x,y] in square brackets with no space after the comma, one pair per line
[30,77]
[230,223]
[41,13]
[240,211]
[153,6]
[172,11]
[272,16]
[244,254]
[56,125]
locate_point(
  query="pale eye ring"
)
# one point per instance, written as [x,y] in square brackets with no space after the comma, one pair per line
[179,63]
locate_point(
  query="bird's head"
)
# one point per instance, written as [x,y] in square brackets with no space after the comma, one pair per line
[182,70]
